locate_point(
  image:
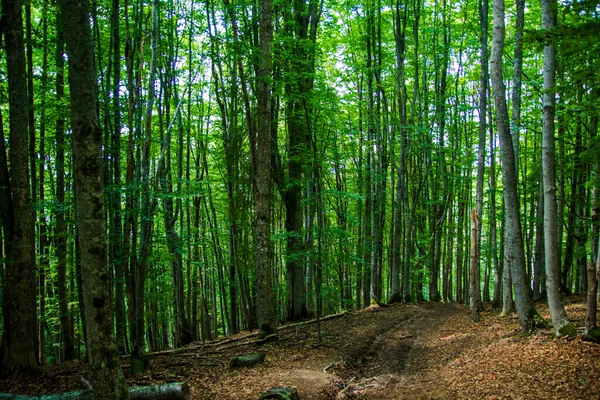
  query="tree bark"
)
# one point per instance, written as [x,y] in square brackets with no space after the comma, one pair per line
[514,250]
[483,96]
[560,321]
[19,305]
[116,230]
[148,202]
[475,249]
[267,318]
[60,230]
[87,141]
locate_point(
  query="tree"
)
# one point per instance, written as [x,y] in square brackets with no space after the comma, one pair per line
[560,321]
[19,303]
[514,250]
[60,230]
[477,217]
[108,381]
[263,182]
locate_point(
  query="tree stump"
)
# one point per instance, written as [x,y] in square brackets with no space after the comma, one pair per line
[139,362]
[247,360]
[280,393]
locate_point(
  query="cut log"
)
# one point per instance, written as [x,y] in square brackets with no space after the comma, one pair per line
[247,360]
[280,393]
[167,391]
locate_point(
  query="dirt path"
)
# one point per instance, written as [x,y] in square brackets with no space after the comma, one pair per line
[400,361]
[414,351]
[376,353]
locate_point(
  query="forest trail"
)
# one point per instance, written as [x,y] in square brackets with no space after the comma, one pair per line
[414,351]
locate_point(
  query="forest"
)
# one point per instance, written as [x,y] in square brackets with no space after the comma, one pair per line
[176,171]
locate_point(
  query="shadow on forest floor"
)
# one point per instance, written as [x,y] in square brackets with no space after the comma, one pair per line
[413,351]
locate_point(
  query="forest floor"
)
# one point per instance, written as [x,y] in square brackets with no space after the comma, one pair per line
[414,351]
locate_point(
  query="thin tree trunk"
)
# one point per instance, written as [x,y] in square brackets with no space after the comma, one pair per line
[148,205]
[474,288]
[43,243]
[116,222]
[483,92]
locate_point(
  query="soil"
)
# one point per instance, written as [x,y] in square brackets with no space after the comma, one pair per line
[414,351]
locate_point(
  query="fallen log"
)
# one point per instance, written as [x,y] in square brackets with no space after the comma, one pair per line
[221,342]
[167,391]
[247,361]
[312,321]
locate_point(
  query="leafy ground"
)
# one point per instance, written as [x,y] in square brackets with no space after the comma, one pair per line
[416,351]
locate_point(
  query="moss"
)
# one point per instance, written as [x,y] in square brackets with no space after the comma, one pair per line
[281,393]
[247,360]
[594,332]
[540,322]
[592,335]
[568,331]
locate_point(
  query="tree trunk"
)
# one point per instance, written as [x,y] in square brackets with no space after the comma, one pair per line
[539,276]
[43,242]
[267,318]
[87,137]
[475,248]
[560,321]
[483,96]
[116,221]
[493,224]
[19,306]
[514,250]
[148,205]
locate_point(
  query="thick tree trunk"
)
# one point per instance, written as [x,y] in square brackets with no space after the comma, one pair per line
[267,318]
[87,137]
[19,305]
[560,321]
[514,250]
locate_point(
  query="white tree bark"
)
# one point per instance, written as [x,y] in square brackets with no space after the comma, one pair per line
[560,321]
[514,250]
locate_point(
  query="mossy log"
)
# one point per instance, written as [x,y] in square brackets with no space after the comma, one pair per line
[247,360]
[280,393]
[592,335]
[167,391]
